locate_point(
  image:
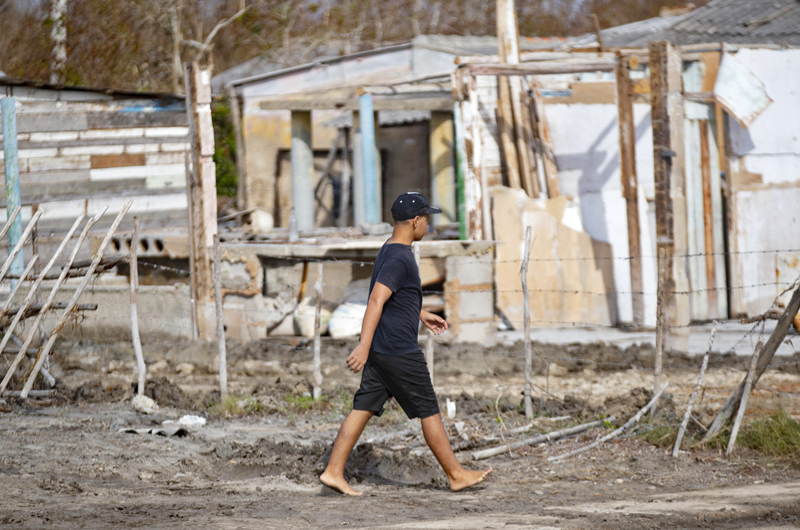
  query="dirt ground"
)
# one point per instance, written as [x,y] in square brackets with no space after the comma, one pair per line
[66,462]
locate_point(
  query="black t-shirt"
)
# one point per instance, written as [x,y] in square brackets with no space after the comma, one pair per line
[398,327]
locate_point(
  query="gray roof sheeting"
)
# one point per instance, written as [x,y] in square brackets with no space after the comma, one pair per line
[731,21]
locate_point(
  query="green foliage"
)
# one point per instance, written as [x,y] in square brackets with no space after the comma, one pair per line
[224,149]
[776,435]
[235,405]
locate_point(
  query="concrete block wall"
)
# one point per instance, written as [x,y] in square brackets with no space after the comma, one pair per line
[469,298]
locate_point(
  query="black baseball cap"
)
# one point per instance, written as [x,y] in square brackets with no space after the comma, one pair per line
[410,205]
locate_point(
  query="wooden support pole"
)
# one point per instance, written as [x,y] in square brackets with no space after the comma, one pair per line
[508,46]
[443,176]
[317,390]
[372,199]
[526,304]
[241,167]
[461,171]
[302,155]
[11,171]
[660,331]
[676,449]
[134,281]
[667,118]
[530,180]
[708,219]
[223,360]
[344,194]
[201,191]
[630,186]
[597,32]
[12,256]
[748,386]
[545,68]
[73,302]
[549,167]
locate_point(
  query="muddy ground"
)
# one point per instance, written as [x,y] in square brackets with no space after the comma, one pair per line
[64,462]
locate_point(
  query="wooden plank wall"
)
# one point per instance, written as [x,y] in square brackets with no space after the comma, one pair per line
[83,155]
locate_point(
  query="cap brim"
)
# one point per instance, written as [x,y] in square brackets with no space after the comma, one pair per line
[431,210]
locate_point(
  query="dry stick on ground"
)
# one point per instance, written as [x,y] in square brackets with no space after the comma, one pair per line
[73,302]
[764,359]
[18,247]
[693,397]
[549,437]
[502,424]
[615,433]
[223,354]
[526,305]
[134,278]
[748,386]
[317,390]
[32,294]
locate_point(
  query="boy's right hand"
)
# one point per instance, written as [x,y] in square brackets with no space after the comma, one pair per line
[357,359]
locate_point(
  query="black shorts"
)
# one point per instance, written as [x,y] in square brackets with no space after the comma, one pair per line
[402,376]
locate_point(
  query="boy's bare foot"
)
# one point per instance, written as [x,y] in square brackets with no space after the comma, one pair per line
[339,484]
[469,478]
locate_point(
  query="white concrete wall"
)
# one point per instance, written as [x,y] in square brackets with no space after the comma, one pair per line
[586,144]
[767,216]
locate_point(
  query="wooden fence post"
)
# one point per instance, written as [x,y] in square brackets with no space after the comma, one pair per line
[317,391]
[223,362]
[526,304]
[134,280]
[662,265]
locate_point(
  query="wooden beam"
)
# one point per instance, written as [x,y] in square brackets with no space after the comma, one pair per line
[442,102]
[667,118]
[545,146]
[708,219]
[630,186]
[543,68]
[201,189]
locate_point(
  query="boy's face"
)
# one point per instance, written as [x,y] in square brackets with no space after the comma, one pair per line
[420,226]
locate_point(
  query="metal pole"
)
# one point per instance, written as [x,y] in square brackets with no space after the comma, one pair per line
[367,116]
[11,163]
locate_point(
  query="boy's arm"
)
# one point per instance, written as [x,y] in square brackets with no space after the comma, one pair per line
[380,294]
[433,322]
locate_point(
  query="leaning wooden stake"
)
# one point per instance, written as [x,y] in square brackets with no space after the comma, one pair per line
[6,308]
[659,323]
[9,222]
[317,391]
[526,304]
[29,299]
[18,247]
[73,302]
[223,354]
[693,397]
[549,437]
[134,277]
[615,433]
[748,386]
[775,340]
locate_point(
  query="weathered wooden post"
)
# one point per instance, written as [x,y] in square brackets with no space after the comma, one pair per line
[302,170]
[134,280]
[201,191]
[223,357]
[526,304]
[317,391]
[660,331]
[630,186]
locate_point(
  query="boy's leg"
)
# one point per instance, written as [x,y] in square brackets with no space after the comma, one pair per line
[349,432]
[437,440]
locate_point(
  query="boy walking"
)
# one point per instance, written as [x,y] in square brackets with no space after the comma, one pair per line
[389,354]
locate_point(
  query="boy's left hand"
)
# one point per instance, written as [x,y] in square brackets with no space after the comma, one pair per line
[435,323]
